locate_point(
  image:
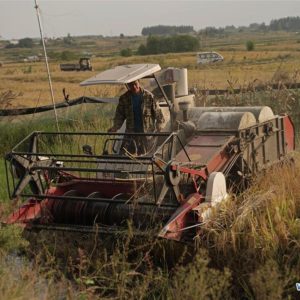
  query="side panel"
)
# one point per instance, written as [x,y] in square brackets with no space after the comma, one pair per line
[289,133]
[272,141]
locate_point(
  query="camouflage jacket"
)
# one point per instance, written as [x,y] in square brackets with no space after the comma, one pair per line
[152,114]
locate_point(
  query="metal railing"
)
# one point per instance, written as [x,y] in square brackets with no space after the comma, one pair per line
[38,161]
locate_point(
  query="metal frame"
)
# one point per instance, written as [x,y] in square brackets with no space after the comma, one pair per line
[33,166]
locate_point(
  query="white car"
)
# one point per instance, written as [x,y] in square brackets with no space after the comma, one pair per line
[208,57]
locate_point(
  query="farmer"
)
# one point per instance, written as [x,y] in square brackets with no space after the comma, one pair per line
[142,114]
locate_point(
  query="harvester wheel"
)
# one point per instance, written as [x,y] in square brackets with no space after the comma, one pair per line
[216,188]
[215,193]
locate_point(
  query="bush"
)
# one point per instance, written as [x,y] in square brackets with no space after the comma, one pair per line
[25,43]
[267,281]
[126,52]
[11,239]
[250,45]
[10,46]
[199,281]
[54,55]
[67,55]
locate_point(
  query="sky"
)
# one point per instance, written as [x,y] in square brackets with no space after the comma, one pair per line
[18,19]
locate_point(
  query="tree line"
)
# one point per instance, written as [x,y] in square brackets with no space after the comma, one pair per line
[165,30]
[169,44]
[290,24]
[22,43]
[285,24]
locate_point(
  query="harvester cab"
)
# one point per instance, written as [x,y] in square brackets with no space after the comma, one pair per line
[96,184]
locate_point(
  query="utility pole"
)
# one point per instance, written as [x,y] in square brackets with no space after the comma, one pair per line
[46,62]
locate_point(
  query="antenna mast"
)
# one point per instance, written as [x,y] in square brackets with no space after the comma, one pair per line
[46,61]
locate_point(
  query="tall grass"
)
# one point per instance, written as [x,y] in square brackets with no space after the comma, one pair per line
[88,117]
[257,235]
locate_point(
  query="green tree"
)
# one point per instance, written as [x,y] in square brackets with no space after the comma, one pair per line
[25,43]
[68,40]
[153,44]
[142,50]
[176,43]
[185,43]
[250,45]
[126,52]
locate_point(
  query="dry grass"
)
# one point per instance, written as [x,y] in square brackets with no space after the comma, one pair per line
[256,235]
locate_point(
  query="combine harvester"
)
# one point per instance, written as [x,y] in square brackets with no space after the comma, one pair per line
[84,181]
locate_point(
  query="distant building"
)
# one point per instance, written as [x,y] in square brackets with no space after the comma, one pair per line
[14,42]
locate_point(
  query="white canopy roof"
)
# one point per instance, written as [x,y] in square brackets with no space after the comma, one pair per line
[122,74]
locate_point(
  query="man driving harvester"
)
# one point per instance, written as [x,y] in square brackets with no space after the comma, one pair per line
[142,114]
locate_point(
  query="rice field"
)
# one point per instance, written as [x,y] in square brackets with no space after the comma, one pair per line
[273,60]
[248,250]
